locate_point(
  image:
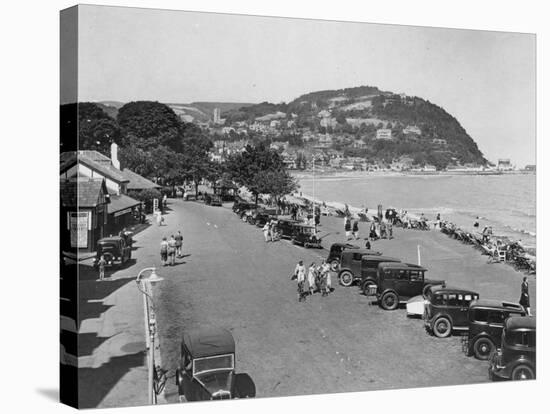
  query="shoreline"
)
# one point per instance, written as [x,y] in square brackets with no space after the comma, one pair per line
[321,174]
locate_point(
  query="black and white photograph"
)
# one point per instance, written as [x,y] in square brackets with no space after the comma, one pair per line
[253,205]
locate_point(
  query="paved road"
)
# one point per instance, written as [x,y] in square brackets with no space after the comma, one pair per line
[342,342]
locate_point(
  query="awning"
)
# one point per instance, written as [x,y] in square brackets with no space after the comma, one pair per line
[121,204]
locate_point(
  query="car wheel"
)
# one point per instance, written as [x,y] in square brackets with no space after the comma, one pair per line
[334,265]
[442,327]
[483,348]
[390,301]
[522,372]
[366,285]
[346,278]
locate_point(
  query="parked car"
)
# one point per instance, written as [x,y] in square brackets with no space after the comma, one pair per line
[486,320]
[369,270]
[358,263]
[286,227]
[335,254]
[446,310]
[398,282]
[241,206]
[212,200]
[264,215]
[305,235]
[516,358]
[206,369]
[114,250]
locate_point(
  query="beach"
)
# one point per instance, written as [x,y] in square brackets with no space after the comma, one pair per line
[231,278]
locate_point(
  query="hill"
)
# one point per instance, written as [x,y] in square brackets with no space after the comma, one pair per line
[419,129]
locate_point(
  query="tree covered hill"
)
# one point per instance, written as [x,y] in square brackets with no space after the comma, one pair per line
[360,111]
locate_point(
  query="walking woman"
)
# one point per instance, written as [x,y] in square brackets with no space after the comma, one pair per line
[524,299]
[311,277]
[300,273]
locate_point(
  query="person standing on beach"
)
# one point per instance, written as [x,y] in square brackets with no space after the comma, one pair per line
[390,230]
[367,245]
[355,229]
[347,228]
[373,235]
[383,234]
[524,299]
[164,251]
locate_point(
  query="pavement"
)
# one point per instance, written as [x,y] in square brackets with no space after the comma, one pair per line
[112,348]
[344,342]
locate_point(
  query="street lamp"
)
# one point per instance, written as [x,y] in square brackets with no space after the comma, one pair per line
[144,286]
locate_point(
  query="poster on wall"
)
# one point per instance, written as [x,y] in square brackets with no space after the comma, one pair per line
[79,225]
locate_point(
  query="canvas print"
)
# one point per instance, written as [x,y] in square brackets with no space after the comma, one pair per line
[256,207]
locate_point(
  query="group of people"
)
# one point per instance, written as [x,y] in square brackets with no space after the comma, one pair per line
[314,278]
[351,229]
[381,230]
[271,233]
[170,249]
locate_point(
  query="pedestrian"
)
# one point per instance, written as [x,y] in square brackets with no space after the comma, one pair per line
[164,251]
[524,299]
[164,201]
[383,233]
[367,245]
[328,279]
[355,229]
[101,266]
[390,230]
[437,221]
[179,244]
[373,235]
[300,274]
[266,231]
[311,274]
[172,250]
[158,216]
[347,227]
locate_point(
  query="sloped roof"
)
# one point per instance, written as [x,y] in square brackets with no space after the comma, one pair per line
[137,182]
[93,160]
[121,202]
[81,193]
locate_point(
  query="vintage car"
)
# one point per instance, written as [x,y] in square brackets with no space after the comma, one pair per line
[356,265]
[305,235]
[398,282]
[446,310]
[286,227]
[486,320]
[212,200]
[114,249]
[262,216]
[335,254]
[516,358]
[239,207]
[206,369]
[368,272]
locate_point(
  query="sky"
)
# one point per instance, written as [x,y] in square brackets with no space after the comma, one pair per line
[486,80]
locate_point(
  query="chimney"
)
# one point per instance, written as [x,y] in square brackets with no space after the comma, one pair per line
[114,156]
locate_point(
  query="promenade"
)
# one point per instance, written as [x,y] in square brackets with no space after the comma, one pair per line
[231,278]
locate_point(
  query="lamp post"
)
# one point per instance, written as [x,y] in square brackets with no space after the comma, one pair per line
[144,286]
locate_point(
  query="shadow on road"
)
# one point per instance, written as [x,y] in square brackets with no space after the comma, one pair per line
[97,382]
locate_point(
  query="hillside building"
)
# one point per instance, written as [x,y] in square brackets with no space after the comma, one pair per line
[412,129]
[504,164]
[383,133]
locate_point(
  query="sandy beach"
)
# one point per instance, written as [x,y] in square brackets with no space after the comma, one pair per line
[344,342]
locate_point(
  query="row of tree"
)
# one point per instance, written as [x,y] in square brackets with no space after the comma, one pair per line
[156,144]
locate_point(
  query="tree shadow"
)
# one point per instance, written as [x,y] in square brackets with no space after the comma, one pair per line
[95,383]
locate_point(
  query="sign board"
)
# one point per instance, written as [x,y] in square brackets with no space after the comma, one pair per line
[155,204]
[79,223]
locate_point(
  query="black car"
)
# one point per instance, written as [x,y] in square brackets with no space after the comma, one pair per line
[212,200]
[356,264]
[239,207]
[397,282]
[286,227]
[447,310]
[335,254]
[516,358]
[262,216]
[206,369]
[486,320]
[305,235]
[114,250]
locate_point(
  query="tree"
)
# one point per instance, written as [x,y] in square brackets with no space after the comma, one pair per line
[96,129]
[147,125]
[261,171]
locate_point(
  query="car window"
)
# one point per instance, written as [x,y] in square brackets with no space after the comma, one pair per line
[440,300]
[357,256]
[452,299]
[415,275]
[496,317]
[402,274]
[481,315]
[521,338]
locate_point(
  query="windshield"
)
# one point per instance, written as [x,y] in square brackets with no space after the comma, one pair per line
[214,363]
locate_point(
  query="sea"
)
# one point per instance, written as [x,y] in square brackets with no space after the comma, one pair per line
[506,202]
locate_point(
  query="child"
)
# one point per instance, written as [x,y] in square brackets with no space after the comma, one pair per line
[101,264]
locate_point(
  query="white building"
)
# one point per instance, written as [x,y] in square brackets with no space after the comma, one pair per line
[383,133]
